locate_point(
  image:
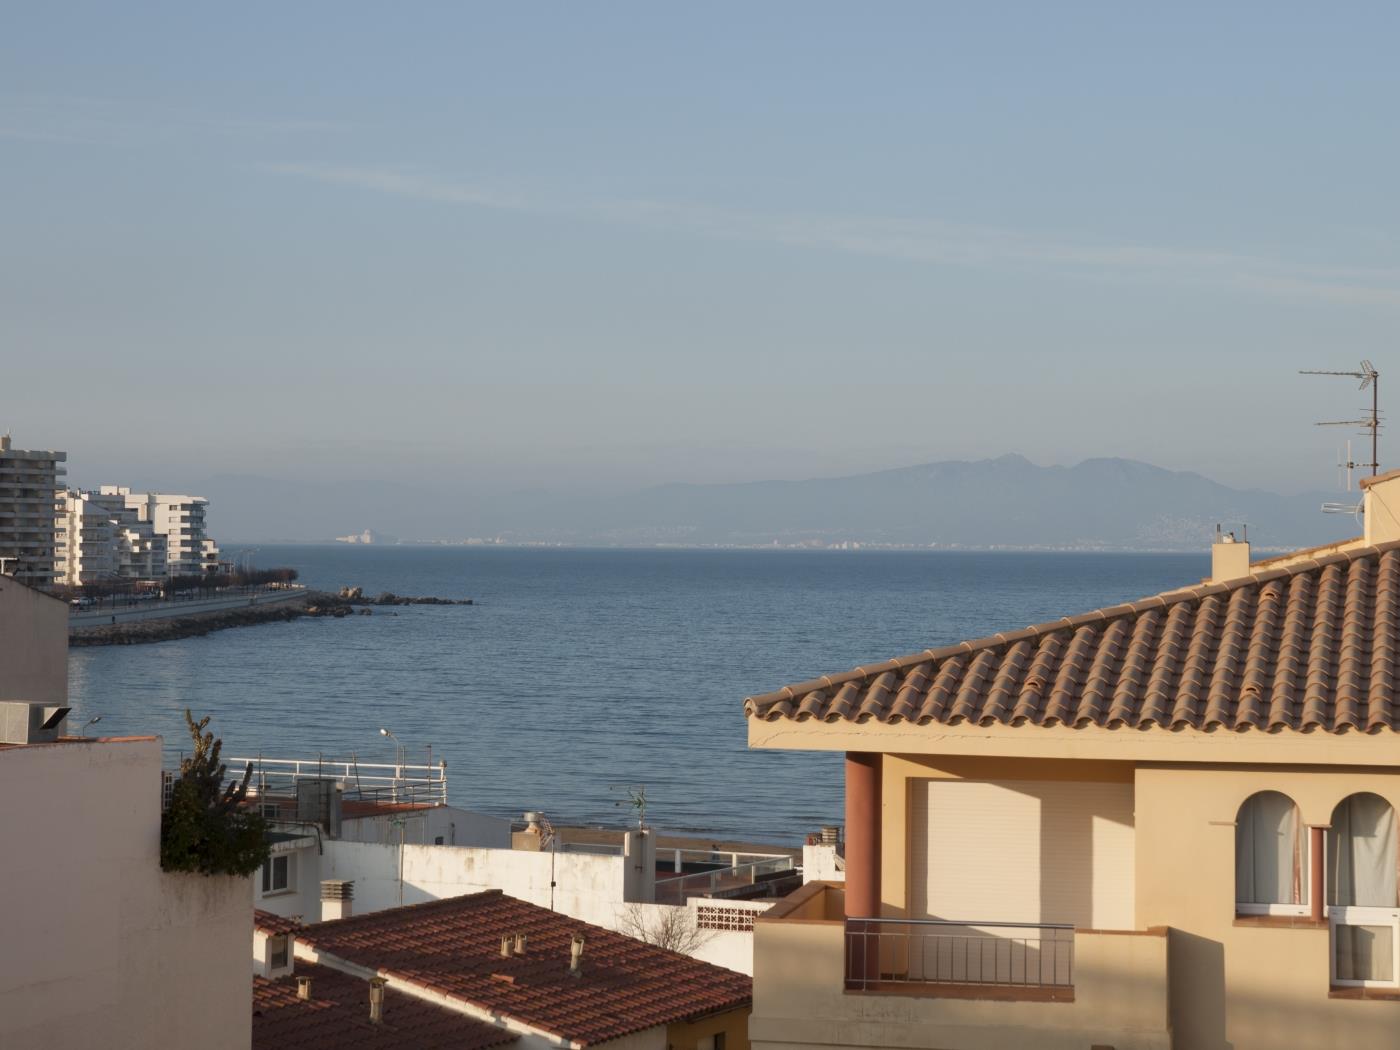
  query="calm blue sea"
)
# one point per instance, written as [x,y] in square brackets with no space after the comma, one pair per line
[581,671]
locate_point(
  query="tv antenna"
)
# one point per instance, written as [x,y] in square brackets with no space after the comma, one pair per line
[1369,424]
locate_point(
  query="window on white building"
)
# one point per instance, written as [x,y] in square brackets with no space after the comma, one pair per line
[279,874]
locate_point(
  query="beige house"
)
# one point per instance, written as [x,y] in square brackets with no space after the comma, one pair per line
[1170,823]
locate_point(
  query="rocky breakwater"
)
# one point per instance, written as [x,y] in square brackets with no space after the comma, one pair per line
[350,601]
[357,596]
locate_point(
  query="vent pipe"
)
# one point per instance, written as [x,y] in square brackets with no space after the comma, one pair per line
[576,956]
[303,987]
[506,942]
[519,944]
[376,999]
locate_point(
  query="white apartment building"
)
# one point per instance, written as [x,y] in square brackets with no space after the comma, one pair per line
[181,520]
[98,537]
[27,484]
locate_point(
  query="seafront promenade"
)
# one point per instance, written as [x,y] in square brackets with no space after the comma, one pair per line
[181,608]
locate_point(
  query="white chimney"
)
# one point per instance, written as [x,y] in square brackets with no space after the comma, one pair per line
[1229,557]
[303,987]
[337,896]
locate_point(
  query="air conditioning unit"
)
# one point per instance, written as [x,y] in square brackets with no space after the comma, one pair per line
[23,722]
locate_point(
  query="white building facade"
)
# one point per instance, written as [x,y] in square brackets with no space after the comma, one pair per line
[181,520]
[27,483]
[98,537]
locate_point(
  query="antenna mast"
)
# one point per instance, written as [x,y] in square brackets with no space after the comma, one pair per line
[1371,424]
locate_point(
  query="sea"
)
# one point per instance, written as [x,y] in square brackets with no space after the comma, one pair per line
[579,676]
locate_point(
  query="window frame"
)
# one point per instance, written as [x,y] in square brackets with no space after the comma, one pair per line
[1302,907]
[269,885]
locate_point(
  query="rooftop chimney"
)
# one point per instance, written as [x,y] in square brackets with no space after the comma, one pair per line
[376,999]
[337,896]
[576,956]
[1381,507]
[1229,557]
[519,944]
[507,942]
[303,987]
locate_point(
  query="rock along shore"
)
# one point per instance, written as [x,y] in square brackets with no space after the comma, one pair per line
[351,601]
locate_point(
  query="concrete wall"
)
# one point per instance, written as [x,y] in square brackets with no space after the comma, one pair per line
[34,629]
[102,948]
[589,886]
[456,827]
[1234,982]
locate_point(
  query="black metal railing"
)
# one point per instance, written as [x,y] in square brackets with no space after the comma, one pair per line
[939,951]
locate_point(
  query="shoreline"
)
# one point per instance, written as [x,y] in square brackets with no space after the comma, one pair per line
[350,602]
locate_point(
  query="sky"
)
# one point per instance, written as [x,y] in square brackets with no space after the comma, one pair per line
[607,245]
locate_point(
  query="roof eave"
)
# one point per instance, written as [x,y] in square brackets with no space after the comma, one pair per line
[1158,745]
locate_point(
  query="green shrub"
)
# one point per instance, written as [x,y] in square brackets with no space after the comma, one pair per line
[206,829]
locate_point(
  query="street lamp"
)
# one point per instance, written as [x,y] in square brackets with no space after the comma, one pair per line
[399,755]
[397,818]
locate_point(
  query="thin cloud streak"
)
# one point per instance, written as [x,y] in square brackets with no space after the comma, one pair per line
[113,122]
[918,241]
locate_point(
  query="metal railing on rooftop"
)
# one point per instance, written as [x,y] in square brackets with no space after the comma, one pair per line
[881,952]
[723,881]
[360,781]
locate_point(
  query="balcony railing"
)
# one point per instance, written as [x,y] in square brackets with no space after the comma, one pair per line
[724,881]
[360,781]
[885,953]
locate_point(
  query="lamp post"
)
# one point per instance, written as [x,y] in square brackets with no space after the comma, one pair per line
[399,753]
[398,818]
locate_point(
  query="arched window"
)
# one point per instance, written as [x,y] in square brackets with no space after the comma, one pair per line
[1361,853]
[1361,888]
[1270,873]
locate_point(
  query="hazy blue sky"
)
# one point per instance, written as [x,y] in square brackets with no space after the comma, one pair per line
[619,243]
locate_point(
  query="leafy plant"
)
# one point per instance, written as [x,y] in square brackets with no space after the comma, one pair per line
[206,829]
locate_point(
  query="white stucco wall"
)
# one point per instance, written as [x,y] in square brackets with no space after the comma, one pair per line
[456,827]
[98,946]
[34,630]
[588,887]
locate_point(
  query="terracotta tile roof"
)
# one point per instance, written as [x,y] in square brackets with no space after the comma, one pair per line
[453,947]
[336,1017]
[274,924]
[1311,646]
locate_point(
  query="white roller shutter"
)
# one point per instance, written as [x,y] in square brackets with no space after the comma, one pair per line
[1034,851]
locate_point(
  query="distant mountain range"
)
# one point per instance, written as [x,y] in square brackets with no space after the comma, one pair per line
[1004,502]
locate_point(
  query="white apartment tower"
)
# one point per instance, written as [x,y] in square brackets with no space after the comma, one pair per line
[98,537]
[180,519]
[27,484]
